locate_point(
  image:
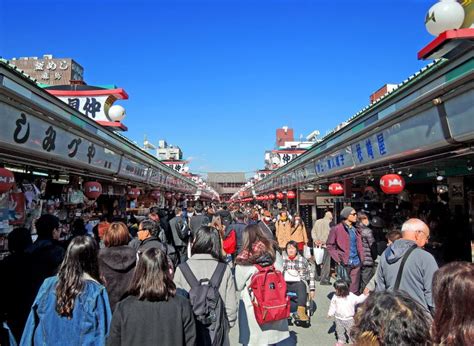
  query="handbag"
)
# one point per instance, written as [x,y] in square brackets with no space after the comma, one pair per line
[342,273]
[230,243]
[318,254]
[291,275]
[307,252]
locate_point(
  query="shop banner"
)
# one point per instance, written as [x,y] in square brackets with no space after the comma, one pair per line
[337,162]
[133,169]
[28,133]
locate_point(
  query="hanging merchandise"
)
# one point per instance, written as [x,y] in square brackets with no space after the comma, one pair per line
[392,184]
[17,208]
[92,189]
[291,194]
[336,189]
[156,194]
[133,192]
[7,180]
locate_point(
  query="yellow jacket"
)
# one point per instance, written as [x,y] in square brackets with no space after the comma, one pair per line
[283,232]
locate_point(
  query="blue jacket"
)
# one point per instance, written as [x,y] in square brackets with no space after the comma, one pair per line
[89,324]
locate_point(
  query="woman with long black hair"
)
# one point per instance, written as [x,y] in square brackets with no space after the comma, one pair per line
[73,307]
[152,313]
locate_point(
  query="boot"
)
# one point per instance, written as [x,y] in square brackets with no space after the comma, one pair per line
[301,312]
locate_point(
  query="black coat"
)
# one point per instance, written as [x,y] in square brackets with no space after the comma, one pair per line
[167,323]
[117,265]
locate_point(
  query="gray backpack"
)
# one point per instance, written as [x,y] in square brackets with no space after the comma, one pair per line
[212,325]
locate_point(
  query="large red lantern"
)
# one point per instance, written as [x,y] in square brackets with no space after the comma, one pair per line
[133,193]
[392,184]
[92,189]
[7,180]
[265,198]
[156,194]
[271,197]
[279,195]
[336,189]
[291,194]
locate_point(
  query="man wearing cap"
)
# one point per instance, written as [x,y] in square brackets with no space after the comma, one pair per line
[344,245]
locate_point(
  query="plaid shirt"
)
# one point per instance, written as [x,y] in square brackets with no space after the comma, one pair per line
[301,264]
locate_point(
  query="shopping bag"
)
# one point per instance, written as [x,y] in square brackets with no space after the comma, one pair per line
[307,252]
[342,273]
[318,254]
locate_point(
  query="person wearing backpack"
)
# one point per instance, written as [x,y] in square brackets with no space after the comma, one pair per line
[209,298]
[259,278]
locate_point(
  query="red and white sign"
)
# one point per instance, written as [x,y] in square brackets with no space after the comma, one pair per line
[392,184]
[336,189]
[92,189]
[291,194]
[7,180]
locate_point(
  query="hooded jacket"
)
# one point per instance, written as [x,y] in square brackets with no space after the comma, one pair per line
[117,265]
[417,277]
[368,241]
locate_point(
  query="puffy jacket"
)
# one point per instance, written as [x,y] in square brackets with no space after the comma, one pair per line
[367,242]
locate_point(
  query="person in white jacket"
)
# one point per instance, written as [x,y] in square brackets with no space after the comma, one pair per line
[342,307]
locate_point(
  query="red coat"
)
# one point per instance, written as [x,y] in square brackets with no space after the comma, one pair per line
[338,244]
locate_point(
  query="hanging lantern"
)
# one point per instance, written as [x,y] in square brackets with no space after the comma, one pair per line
[291,194]
[92,189]
[271,197]
[133,192]
[392,184]
[7,180]
[279,195]
[168,195]
[336,189]
[156,194]
[265,198]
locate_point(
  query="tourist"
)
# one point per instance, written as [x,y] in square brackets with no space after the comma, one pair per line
[320,233]
[298,233]
[367,271]
[283,229]
[152,313]
[257,249]
[453,295]
[117,261]
[73,305]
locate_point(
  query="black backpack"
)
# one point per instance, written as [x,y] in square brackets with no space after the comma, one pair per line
[212,325]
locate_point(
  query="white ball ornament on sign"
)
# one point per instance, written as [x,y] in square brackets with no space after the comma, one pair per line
[445,15]
[116,113]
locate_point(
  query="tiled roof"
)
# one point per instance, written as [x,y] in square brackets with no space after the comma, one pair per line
[7,64]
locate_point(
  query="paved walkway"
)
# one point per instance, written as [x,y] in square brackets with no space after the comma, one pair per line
[321,331]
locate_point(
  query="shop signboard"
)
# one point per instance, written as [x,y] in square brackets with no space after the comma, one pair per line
[338,161]
[405,138]
[132,169]
[30,134]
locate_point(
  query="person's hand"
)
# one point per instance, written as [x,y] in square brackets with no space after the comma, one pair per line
[366,291]
[312,294]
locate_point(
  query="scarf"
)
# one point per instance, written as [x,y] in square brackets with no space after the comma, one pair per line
[257,249]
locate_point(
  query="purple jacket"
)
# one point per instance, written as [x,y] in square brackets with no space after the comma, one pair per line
[338,244]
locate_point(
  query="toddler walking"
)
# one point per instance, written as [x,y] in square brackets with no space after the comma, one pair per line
[342,307]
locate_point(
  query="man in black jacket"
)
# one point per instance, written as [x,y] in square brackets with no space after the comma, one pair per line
[181,233]
[198,219]
[147,234]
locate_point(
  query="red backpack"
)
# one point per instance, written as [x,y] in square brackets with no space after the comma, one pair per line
[268,295]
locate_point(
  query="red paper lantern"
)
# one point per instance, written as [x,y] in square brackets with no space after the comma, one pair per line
[291,194]
[271,197]
[279,195]
[92,189]
[392,184]
[156,194]
[133,193]
[168,195]
[336,189]
[7,180]
[265,198]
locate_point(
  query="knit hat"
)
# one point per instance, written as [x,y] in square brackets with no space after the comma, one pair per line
[346,212]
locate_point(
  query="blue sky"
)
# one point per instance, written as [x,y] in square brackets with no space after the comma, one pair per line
[218,77]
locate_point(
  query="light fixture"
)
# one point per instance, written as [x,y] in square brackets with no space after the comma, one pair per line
[399,172]
[469,165]
[439,177]
[410,175]
[444,15]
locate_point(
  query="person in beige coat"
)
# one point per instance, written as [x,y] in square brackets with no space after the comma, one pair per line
[283,229]
[257,249]
[320,233]
[298,234]
[206,253]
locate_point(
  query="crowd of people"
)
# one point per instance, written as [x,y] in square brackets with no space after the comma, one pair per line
[186,277]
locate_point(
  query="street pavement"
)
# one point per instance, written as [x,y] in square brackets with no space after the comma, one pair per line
[321,331]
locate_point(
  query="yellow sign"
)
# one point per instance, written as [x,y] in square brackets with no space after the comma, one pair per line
[469,13]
